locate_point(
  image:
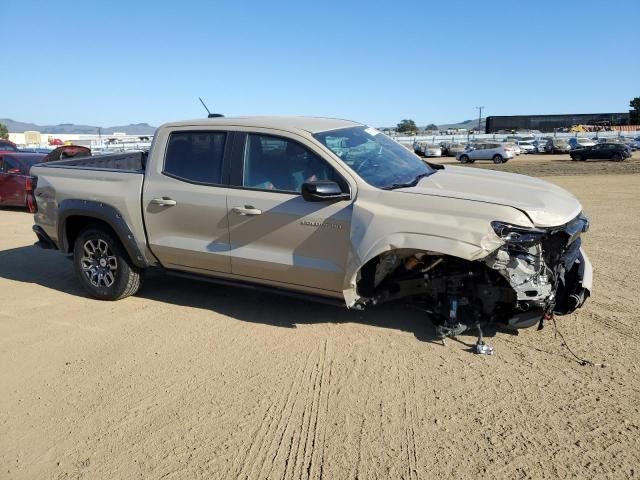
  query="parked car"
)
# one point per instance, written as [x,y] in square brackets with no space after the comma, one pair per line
[431,150]
[580,142]
[16,185]
[527,146]
[7,146]
[557,145]
[636,143]
[452,149]
[67,151]
[498,152]
[540,145]
[513,146]
[611,151]
[424,149]
[256,201]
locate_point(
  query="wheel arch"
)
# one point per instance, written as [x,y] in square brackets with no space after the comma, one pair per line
[417,243]
[75,215]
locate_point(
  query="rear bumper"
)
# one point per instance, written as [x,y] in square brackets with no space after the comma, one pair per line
[44,241]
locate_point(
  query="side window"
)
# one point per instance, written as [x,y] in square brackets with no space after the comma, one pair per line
[275,163]
[195,156]
[7,164]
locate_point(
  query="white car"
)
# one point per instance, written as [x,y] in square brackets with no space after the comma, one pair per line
[498,152]
[580,142]
[431,150]
[513,146]
[527,146]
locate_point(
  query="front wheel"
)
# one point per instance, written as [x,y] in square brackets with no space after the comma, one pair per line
[104,267]
[464,159]
[497,159]
[616,157]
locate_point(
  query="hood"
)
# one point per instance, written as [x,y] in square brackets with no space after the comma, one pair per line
[544,203]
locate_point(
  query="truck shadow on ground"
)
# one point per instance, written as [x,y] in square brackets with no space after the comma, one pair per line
[52,270]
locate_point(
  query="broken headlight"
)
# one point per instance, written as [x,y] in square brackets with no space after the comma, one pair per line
[516,234]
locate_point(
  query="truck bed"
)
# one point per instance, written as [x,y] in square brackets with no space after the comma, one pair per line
[112,180]
[133,162]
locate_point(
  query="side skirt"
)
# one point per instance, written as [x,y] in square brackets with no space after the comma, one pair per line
[257,287]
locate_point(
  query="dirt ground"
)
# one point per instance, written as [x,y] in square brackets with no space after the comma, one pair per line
[190,380]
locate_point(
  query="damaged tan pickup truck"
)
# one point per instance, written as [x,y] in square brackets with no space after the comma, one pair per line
[322,208]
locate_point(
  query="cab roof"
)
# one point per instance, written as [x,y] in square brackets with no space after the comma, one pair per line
[292,123]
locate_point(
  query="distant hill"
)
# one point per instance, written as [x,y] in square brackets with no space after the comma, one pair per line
[468,124]
[132,129]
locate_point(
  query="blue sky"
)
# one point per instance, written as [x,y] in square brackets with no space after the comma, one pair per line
[113,63]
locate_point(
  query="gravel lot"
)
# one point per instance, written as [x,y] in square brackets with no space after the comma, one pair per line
[190,380]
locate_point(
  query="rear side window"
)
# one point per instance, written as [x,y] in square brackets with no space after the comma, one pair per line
[195,157]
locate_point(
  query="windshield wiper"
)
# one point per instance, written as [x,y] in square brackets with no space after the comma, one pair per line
[412,183]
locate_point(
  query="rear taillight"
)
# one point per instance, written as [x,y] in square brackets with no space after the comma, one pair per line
[30,186]
[507,149]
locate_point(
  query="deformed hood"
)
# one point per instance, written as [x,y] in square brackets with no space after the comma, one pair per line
[547,205]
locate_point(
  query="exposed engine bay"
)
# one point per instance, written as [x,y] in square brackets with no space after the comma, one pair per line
[536,273]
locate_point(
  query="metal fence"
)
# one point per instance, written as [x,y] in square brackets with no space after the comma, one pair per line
[466,138]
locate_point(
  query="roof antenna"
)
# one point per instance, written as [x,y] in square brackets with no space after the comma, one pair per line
[209,114]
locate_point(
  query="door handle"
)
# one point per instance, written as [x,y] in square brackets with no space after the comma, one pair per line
[246,210]
[164,202]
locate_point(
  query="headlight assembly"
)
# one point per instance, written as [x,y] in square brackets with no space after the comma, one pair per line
[516,234]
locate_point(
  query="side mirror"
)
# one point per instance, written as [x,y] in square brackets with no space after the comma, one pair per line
[14,171]
[323,191]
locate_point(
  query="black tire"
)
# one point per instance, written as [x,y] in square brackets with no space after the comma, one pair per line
[103,266]
[576,158]
[498,159]
[617,157]
[464,159]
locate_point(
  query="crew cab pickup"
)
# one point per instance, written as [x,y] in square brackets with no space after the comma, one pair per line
[327,209]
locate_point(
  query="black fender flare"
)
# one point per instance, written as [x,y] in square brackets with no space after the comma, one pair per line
[105,213]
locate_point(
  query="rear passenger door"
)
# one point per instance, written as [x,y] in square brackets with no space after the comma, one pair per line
[277,237]
[185,201]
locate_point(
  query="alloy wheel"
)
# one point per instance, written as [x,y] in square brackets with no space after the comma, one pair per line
[99,263]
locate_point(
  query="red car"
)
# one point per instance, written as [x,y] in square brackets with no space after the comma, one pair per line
[7,146]
[16,184]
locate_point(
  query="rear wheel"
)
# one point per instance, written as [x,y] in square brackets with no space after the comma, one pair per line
[498,159]
[104,267]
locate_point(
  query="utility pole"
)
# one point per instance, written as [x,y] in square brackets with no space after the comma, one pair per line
[479,118]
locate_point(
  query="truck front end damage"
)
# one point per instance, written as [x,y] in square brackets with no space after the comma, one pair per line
[535,273]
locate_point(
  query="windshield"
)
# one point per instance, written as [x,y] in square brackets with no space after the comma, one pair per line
[376,158]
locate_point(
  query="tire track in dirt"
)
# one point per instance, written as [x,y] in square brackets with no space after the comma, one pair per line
[406,384]
[267,430]
[278,441]
[298,434]
[357,474]
[322,448]
[302,464]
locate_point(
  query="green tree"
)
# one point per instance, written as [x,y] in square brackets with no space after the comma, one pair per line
[634,114]
[4,132]
[431,126]
[407,126]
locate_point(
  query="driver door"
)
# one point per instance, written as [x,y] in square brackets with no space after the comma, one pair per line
[276,236]
[12,182]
